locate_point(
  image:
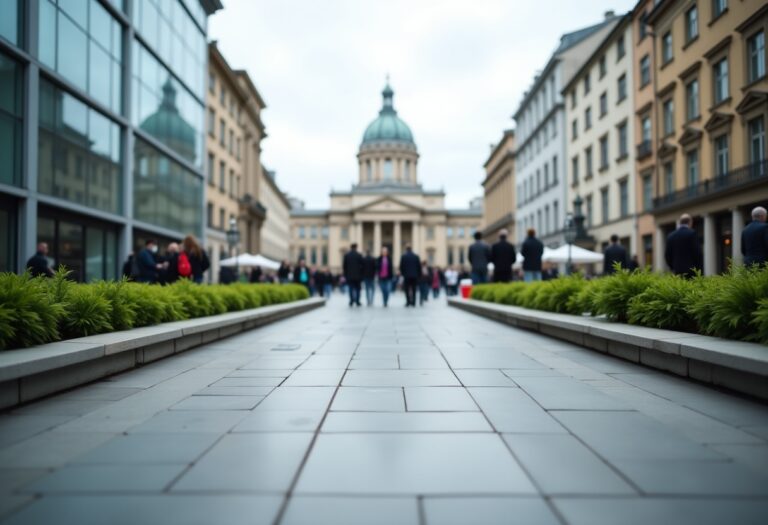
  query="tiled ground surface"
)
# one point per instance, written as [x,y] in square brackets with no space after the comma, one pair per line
[428,416]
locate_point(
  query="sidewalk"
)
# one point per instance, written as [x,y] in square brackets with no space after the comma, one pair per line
[398,417]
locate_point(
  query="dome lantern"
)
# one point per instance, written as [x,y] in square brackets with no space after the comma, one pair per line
[388,127]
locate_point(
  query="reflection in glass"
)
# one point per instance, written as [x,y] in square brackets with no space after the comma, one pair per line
[9,22]
[10,121]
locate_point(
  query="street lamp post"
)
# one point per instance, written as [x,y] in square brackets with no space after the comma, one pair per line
[569,231]
[233,240]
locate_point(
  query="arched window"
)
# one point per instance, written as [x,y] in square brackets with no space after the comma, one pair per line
[388,169]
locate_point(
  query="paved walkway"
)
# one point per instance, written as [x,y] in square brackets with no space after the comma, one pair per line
[398,417]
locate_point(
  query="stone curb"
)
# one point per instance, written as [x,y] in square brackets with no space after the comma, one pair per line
[737,365]
[30,373]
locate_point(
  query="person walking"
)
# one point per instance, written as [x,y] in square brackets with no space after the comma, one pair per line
[301,275]
[479,256]
[369,277]
[451,281]
[353,273]
[283,272]
[532,250]
[169,273]
[256,275]
[614,253]
[754,239]
[410,269]
[425,282]
[503,256]
[147,263]
[385,272]
[196,258]
[437,282]
[38,263]
[683,251]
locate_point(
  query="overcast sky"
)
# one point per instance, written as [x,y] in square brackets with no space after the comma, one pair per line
[458,69]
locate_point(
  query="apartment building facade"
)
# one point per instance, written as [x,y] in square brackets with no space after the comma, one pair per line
[499,189]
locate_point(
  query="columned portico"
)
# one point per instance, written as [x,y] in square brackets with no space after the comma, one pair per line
[398,243]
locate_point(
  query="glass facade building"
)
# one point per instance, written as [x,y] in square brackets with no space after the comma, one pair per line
[102,112]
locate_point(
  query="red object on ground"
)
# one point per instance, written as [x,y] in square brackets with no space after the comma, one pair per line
[466,288]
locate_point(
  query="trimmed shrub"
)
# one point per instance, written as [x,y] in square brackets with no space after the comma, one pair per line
[760,321]
[28,316]
[665,304]
[613,295]
[86,312]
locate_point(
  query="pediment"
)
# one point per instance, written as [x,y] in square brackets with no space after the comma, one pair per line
[666,149]
[718,120]
[388,205]
[690,135]
[753,99]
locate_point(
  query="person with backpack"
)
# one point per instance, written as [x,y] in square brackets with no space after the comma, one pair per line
[192,261]
[169,273]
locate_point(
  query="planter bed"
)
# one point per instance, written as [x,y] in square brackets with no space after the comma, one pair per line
[30,373]
[736,365]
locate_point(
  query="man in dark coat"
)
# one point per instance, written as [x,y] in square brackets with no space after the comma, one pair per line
[614,253]
[147,261]
[479,257]
[532,250]
[410,269]
[503,257]
[38,263]
[369,277]
[754,238]
[683,251]
[353,273]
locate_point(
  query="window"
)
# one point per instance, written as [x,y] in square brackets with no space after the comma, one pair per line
[668,110]
[461,232]
[212,83]
[666,48]
[546,177]
[588,160]
[587,84]
[720,75]
[669,178]
[603,103]
[554,169]
[719,7]
[692,99]
[222,219]
[757,140]
[602,66]
[623,140]
[556,213]
[587,118]
[621,49]
[604,205]
[623,198]
[223,97]
[302,232]
[211,170]
[407,172]
[691,24]
[237,187]
[590,214]
[222,133]
[237,148]
[324,232]
[313,232]
[573,98]
[368,170]
[449,232]
[538,182]
[222,175]
[645,71]
[756,56]
[209,215]
[345,233]
[11,129]
[721,155]
[231,145]
[643,25]
[211,123]
[575,170]
[647,193]
[388,173]
[231,183]
[692,167]
[603,152]
[430,233]
[575,129]
[622,87]
[646,129]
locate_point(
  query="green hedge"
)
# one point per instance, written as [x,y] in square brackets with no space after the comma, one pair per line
[38,310]
[732,306]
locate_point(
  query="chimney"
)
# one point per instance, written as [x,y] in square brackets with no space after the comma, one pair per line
[610,14]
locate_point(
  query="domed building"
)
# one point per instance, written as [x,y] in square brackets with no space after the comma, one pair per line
[386,207]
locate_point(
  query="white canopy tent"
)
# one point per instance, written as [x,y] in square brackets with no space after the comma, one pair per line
[249,260]
[579,255]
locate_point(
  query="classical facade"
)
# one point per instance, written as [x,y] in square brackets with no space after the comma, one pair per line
[499,189]
[540,163]
[276,230]
[387,207]
[600,117]
[712,110]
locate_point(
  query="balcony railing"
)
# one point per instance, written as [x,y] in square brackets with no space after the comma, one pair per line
[744,176]
[644,149]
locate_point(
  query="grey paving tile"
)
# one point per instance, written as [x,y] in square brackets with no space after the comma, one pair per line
[643,511]
[259,391]
[282,374]
[411,464]
[248,462]
[314,510]
[217,402]
[377,378]
[314,378]
[418,362]
[710,478]
[249,381]
[100,391]
[752,456]
[325,362]
[484,377]
[375,364]
[362,399]
[298,398]
[136,449]
[211,421]
[488,511]
[10,503]
[405,422]
[198,509]
[438,399]
[106,478]
[512,410]
[496,358]
[280,421]
[757,430]
[272,364]
[50,449]
[14,428]
[632,436]
[560,464]
[11,479]
[565,393]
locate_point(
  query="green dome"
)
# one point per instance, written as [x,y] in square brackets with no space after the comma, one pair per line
[388,127]
[167,125]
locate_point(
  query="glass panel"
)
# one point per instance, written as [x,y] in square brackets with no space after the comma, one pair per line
[46,232]
[7,237]
[10,121]
[72,50]
[70,248]
[110,255]
[100,75]
[94,255]
[9,22]
[46,40]
[77,10]
[100,24]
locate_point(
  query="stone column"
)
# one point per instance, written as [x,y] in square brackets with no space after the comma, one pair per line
[376,237]
[415,240]
[710,245]
[737,225]
[659,245]
[397,248]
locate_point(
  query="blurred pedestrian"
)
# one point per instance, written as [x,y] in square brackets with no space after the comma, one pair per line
[425,283]
[353,274]
[754,238]
[503,256]
[369,277]
[256,275]
[683,251]
[38,264]
[196,257]
[147,263]
[410,269]
[532,251]
[385,272]
[479,257]
[301,274]
[451,281]
[283,273]
[614,253]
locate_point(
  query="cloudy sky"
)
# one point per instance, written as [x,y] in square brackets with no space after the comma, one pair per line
[458,69]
